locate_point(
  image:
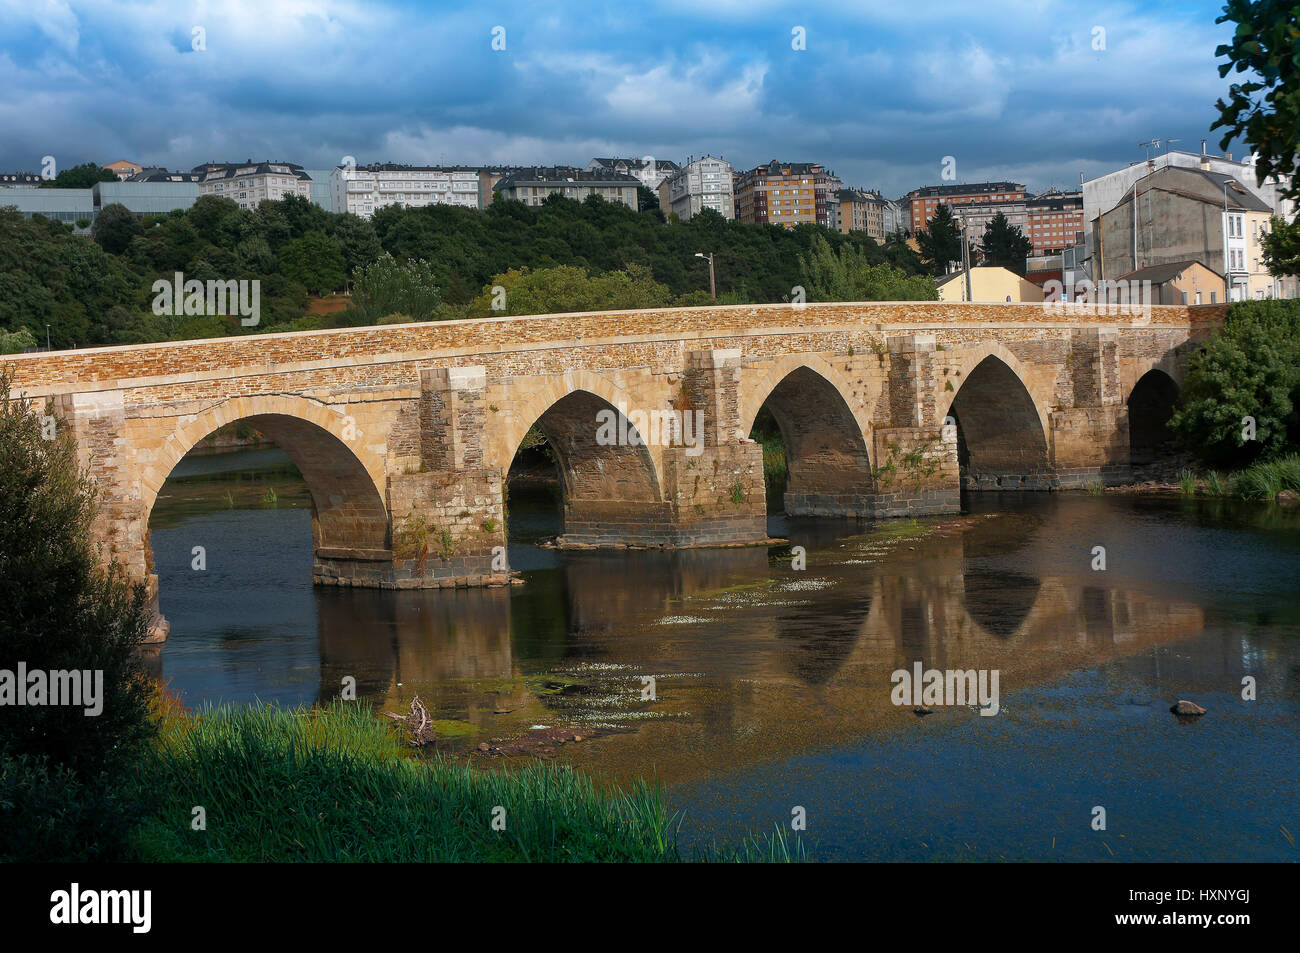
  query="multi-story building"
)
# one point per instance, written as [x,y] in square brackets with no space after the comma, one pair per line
[124,169]
[1055,221]
[787,193]
[1103,193]
[20,180]
[362,190]
[152,191]
[63,205]
[649,171]
[976,203]
[862,211]
[1176,215]
[248,183]
[702,183]
[534,184]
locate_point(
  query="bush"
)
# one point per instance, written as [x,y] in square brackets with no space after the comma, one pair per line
[49,814]
[1249,369]
[63,608]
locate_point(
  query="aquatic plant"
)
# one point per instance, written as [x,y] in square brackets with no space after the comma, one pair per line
[336,784]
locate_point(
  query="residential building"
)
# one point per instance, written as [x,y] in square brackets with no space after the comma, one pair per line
[534,184]
[123,169]
[20,180]
[1177,214]
[251,182]
[988,284]
[1103,193]
[862,211]
[1179,282]
[702,183]
[1054,221]
[149,192]
[976,203]
[362,190]
[787,193]
[489,176]
[649,171]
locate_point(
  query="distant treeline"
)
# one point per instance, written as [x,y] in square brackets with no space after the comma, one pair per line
[430,263]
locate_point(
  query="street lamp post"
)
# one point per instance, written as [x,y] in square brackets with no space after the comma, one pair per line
[713,288]
[47,338]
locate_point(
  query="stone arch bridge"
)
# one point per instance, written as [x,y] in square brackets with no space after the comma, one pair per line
[405,434]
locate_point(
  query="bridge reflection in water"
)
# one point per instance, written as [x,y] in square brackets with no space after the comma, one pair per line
[752,659]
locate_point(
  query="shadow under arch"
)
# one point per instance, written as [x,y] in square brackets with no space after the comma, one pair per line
[348,513]
[1001,443]
[1150,405]
[605,469]
[827,459]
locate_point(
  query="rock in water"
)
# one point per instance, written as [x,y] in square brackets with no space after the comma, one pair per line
[1184,707]
[921,711]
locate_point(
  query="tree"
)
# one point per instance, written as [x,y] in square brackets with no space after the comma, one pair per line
[1005,245]
[115,227]
[357,240]
[849,276]
[79,177]
[1281,247]
[567,288]
[646,199]
[388,286]
[941,241]
[314,261]
[64,608]
[1250,369]
[1266,43]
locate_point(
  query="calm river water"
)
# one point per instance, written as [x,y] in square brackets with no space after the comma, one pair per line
[773,684]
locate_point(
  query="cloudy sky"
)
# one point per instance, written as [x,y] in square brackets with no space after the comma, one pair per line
[1035,91]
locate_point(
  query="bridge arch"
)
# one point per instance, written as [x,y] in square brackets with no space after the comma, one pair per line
[607,478]
[1150,405]
[348,510]
[826,439]
[1001,428]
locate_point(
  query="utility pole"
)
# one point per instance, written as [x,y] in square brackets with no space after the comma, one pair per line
[713,287]
[965,253]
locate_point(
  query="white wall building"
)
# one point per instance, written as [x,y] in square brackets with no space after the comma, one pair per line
[702,183]
[648,170]
[364,189]
[251,182]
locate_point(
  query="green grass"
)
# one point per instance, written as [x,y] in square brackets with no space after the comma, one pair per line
[1095,487]
[1187,483]
[337,784]
[1265,480]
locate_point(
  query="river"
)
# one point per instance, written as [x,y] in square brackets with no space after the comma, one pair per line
[772,691]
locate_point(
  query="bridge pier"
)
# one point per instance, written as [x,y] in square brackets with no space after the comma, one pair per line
[709,494]
[1090,439]
[447,513]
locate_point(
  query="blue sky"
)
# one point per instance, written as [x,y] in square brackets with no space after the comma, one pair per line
[881,93]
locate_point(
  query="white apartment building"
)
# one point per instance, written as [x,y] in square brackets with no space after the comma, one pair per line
[362,190]
[251,182]
[648,170]
[533,185]
[702,183]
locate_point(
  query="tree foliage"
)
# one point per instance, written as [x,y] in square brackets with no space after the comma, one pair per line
[848,276]
[1265,109]
[1251,369]
[1005,245]
[940,241]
